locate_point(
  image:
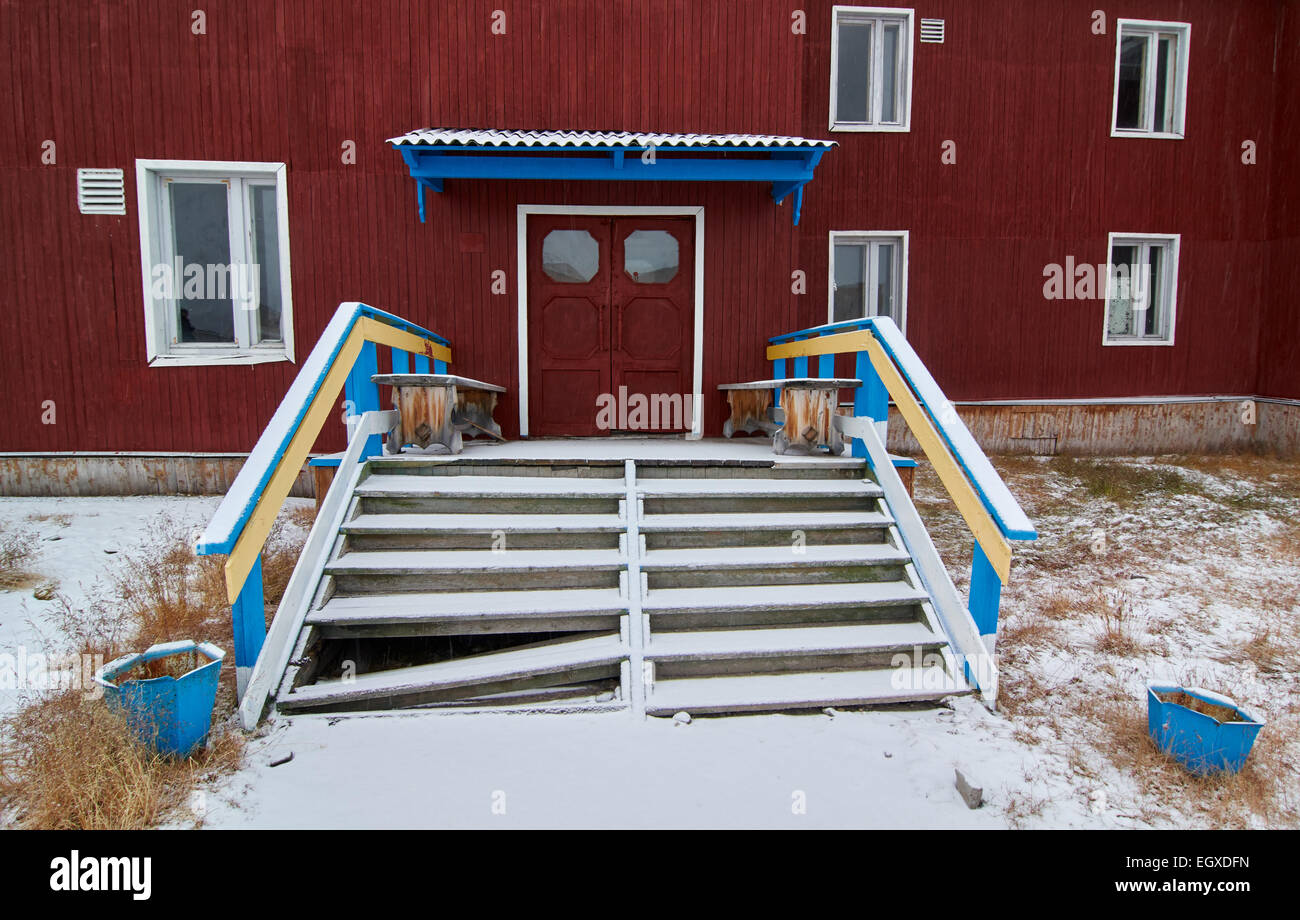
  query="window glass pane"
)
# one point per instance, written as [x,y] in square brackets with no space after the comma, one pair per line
[1119,309]
[889,75]
[201,237]
[570,256]
[885,299]
[650,256]
[850,283]
[1164,108]
[1130,108]
[1152,291]
[265,277]
[853,69]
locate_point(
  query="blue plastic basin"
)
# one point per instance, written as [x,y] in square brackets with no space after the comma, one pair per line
[171,714]
[1200,742]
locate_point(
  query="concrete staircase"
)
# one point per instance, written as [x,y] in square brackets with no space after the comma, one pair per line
[708,587]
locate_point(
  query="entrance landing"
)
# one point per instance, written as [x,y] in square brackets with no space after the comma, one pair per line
[704,450]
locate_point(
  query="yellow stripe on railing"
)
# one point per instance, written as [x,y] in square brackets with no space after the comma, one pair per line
[383,334]
[821,345]
[252,539]
[950,473]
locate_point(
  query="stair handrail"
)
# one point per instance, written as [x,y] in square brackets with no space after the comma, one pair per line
[889,368]
[298,593]
[343,360]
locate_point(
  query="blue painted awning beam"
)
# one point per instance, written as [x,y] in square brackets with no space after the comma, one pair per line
[787,169]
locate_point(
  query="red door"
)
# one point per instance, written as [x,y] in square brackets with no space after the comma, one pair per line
[610,309]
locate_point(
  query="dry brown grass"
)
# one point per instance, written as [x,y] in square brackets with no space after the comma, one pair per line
[1115,622]
[70,763]
[68,760]
[1284,545]
[18,550]
[1263,790]
[1030,631]
[1057,606]
[1271,646]
[1023,805]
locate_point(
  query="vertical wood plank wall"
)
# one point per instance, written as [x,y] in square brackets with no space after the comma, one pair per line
[1023,89]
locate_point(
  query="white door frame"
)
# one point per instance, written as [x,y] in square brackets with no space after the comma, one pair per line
[521,272]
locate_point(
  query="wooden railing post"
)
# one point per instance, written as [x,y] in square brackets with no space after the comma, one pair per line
[401,361]
[248,618]
[985,597]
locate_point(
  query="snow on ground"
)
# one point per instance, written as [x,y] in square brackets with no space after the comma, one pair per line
[1204,565]
[79,540]
[854,769]
[1173,569]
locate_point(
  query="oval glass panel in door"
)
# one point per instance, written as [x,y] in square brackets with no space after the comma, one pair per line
[570,256]
[650,256]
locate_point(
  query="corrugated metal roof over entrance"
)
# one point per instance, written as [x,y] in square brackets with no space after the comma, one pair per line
[493,138]
[434,155]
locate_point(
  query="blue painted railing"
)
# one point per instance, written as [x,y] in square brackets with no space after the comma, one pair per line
[871,401]
[344,358]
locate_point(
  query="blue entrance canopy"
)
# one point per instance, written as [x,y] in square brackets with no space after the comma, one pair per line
[437,154]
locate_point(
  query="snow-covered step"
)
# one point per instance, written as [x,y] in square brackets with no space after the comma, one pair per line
[467,465]
[782,520]
[801,690]
[782,528]
[765,556]
[544,664]
[769,605]
[413,562]
[782,597]
[794,648]
[787,468]
[400,484]
[393,571]
[482,523]
[484,531]
[758,487]
[772,565]
[469,613]
[756,496]
[387,493]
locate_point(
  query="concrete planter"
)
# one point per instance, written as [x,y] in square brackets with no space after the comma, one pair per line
[1203,731]
[170,713]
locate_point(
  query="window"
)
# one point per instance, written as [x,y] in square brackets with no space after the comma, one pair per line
[871,69]
[650,256]
[1150,79]
[214,242]
[570,256]
[868,276]
[1142,289]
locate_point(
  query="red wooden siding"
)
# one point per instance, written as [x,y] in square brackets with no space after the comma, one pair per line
[1023,88]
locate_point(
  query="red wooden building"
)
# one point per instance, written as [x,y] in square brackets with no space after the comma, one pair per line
[992,161]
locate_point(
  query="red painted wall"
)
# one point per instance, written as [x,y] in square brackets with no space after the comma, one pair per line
[1023,88]
[1279,339]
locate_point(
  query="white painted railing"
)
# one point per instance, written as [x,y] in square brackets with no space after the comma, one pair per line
[299,592]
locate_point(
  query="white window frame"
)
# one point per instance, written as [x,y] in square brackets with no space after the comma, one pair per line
[904,15]
[160,339]
[1172,243]
[866,237]
[1151,28]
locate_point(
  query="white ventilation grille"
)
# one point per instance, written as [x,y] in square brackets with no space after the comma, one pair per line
[101,191]
[932,31]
